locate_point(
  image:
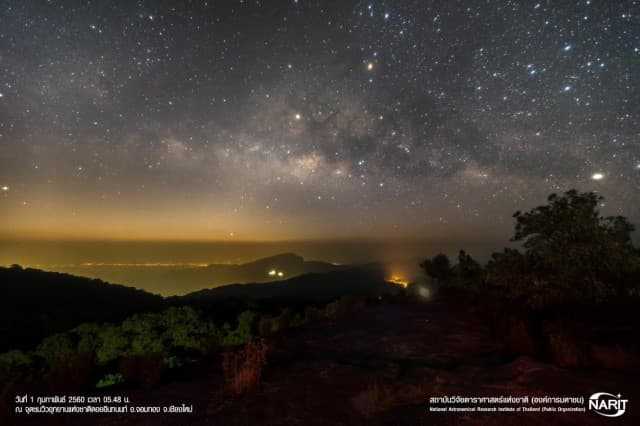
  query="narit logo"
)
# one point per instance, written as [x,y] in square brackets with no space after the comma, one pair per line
[607,404]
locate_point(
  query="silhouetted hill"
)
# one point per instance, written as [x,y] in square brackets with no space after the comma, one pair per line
[356,282]
[181,279]
[35,304]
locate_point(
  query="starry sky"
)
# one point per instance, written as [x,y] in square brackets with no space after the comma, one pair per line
[305,120]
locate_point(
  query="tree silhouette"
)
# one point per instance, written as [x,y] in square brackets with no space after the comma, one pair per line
[438,268]
[468,271]
[570,247]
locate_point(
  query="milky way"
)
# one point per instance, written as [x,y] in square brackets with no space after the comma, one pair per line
[274,120]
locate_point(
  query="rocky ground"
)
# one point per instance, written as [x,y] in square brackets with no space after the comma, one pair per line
[379,366]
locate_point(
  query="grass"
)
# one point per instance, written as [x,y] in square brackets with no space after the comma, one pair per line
[242,369]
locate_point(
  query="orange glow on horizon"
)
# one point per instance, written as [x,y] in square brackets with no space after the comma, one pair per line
[396,279]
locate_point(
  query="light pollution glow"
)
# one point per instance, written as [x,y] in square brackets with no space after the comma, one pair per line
[307,121]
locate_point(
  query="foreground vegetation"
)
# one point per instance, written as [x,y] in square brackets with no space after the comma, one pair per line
[569,294]
[570,254]
[142,347]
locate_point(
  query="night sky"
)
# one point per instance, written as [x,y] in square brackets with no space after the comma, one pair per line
[285,120]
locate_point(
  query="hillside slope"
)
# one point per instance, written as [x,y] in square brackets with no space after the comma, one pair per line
[35,304]
[356,282]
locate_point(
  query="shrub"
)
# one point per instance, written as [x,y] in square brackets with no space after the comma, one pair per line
[242,369]
[114,344]
[243,332]
[186,329]
[146,333]
[12,363]
[177,333]
[88,337]
[56,348]
[110,380]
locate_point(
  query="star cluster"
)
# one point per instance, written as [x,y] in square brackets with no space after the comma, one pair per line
[302,119]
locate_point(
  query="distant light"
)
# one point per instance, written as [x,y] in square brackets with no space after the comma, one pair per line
[424,292]
[275,273]
[567,48]
[5,188]
[597,176]
[298,116]
[370,66]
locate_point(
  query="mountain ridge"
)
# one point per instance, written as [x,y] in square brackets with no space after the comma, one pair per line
[39,303]
[181,279]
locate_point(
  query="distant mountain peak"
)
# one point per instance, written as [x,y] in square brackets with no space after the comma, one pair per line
[283,257]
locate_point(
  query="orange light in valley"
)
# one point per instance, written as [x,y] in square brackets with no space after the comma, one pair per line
[396,279]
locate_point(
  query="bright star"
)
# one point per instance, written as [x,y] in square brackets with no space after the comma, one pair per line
[597,176]
[370,66]
[298,116]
